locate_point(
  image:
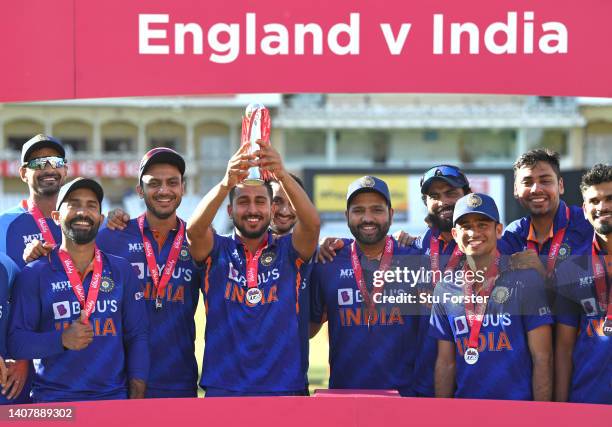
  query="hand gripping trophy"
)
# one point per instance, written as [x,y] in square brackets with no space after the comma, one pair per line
[255,127]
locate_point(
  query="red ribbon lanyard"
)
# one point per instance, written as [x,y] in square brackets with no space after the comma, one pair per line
[253,264]
[40,220]
[160,285]
[434,254]
[604,297]
[87,306]
[473,315]
[385,263]
[554,246]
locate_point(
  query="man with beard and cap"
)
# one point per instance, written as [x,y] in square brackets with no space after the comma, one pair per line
[372,340]
[492,323]
[251,282]
[43,169]
[553,230]
[583,353]
[81,311]
[155,244]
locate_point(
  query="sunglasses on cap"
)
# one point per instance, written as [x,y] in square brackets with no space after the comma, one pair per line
[442,171]
[41,163]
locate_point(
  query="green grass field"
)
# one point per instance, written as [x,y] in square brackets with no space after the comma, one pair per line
[318,374]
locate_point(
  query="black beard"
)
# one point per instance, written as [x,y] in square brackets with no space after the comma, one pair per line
[380,234]
[280,231]
[251,234]
[47,191]
[604,229]
[444,225]
[80,237]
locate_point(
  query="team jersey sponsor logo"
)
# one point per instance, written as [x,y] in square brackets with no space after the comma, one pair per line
[61,310]
[107,284]
[586,281]
[346,273]
[262,277]
[349,296]
[461,326]
[543,311]
[30,237]
[236,256]
[64,285]
[135,247]
[141,270]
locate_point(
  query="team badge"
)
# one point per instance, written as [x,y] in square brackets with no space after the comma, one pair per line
[267,258]
[607,328]
[474,200]
[107,284]
[564,251]
[500,294]
[184,254]
[471,355]
[367,181]
[254,296]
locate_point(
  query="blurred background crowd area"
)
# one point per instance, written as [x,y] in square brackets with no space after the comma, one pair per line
[326,139]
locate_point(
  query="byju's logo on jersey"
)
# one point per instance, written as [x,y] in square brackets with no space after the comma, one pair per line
[61,310]
[135,247]
[461,326]
[346,273]
[345,296]
[590,306]
[139,269]
[233,274]
[60,286]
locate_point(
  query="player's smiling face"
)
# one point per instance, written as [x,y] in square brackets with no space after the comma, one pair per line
[251,210]
[538,189]
[162,189]
[440,200]
[598,207]
[79,216]
[476,234]
[369,217]
[283,214]
[47,181]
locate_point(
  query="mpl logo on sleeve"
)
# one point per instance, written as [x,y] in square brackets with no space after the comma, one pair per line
[135,247]
[61,310]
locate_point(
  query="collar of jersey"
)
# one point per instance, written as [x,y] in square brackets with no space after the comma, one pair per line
[559,222]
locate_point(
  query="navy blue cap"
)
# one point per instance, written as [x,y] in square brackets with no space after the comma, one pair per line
[41,141]
[161,155]
[476,203]
[368,184]
[452,175]
[76,184]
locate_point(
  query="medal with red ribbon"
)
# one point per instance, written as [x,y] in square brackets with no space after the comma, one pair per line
[385,263]
[40,220]
[604,296]
[254,295]
[87,305]
[434,253]
[474,312]
[159,284]
[555,246]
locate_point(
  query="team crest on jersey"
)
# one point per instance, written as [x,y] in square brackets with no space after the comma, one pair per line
[474,200]
[107,284]
[267,258]
[500,294]
[184,254]
[564,251]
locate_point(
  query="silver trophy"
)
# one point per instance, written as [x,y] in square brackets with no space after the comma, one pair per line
[255,127]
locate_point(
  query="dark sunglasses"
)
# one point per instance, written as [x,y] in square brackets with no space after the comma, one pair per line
[442,170]
[41,163]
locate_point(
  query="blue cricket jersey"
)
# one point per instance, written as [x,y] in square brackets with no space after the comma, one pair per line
[253,348]
[18,228]
[380,355]
[576,305]
[504,369]
[174,370]
[577,236]
[44,304]
[8,271]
